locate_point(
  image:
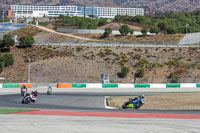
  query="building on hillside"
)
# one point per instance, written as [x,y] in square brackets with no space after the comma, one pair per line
[25,11]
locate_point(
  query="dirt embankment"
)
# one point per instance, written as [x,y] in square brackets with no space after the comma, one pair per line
[45,34]
[183,101]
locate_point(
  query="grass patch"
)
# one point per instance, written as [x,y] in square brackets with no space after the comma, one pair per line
[9,111]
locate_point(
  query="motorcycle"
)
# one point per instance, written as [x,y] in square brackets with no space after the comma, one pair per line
[49,91]
[134,103]
[30,97]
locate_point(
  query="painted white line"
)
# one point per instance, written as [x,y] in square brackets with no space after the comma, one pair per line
[105,103]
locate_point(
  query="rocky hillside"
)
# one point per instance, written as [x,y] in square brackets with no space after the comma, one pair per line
[84,64]
[150,6]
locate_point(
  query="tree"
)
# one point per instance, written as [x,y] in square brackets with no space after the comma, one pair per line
[124,30]
[154,29]
[8,59]
[124,71]
[7,41]
[107,32]
[139,73]
[162,25]
[118,18]
[61,16]
[171,30]
[1,41]
[144,32]
[102,22]
[1,66]
[26,41]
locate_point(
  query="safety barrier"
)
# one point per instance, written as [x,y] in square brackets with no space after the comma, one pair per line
[10,85]
[64,85]
[15,85]
[198,85]
[99,85]
[27,85]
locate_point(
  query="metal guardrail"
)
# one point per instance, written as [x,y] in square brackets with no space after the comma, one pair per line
[115,44]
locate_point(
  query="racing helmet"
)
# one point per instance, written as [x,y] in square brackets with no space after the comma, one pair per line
[130,99]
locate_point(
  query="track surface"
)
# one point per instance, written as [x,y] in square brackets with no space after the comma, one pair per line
[92,103]
[76,101]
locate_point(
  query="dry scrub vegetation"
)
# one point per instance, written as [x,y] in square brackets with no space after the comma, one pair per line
[44,36]
[158,39]
[62,63]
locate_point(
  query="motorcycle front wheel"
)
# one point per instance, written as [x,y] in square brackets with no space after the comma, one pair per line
[124,106]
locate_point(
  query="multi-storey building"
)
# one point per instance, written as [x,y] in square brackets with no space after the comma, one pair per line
[81,11]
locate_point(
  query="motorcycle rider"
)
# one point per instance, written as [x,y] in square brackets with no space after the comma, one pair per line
[134,100]
[31,95]
[49,89]
[23,89]
[35,93]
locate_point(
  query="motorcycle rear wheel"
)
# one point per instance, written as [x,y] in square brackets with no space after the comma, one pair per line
[28,100]
[138,105]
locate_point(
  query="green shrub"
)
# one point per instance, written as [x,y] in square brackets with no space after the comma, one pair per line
[107,32]
[131,31]
[8,59]
[174,78]
[144,32]
[26,41]
[139,73]
[7,41]
[101,54]
[79,48]
[124,30]
[1,66]
[142,63]
[124,71]
[108,51]
[154,29]
[136,56]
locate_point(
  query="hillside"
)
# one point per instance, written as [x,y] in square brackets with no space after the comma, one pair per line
[150,6]
[85,64]
[45,36]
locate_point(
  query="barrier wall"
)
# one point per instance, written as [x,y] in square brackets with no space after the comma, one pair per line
[64,85]
[99,85]
[10,85]
[15,85]
[27,85]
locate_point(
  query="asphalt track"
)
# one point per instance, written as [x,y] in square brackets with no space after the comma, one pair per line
[78,102]
[82,103]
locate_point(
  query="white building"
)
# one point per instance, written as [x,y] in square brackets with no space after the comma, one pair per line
[110,12]
[81,11]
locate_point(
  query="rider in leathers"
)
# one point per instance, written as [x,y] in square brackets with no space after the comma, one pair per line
[134,100]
